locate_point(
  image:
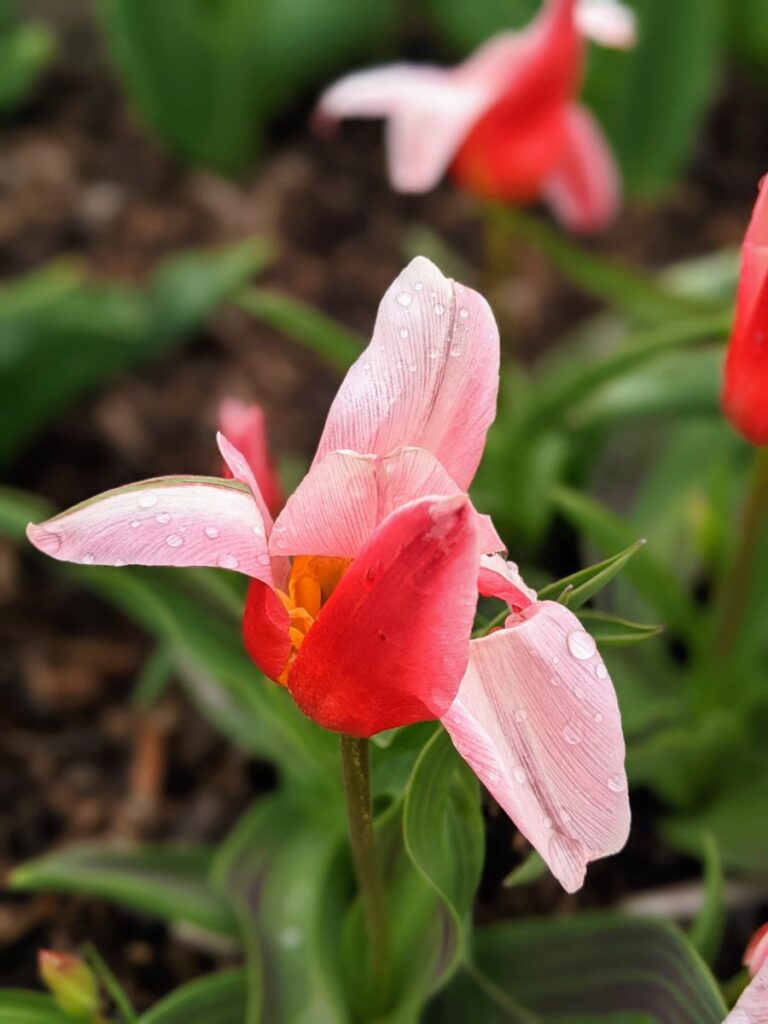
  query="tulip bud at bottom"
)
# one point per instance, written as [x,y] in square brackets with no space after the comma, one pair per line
[71,983]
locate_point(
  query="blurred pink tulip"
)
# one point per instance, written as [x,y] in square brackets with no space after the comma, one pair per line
[246,428]
[364,590]
[506,122]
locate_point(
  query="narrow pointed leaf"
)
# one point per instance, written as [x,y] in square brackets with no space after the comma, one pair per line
[708,926]
[611,631]
[170,882]
[215,999]
[585,583]
[530,870]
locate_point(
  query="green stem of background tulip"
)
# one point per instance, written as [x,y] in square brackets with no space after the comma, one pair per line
[355,763]
[735,591]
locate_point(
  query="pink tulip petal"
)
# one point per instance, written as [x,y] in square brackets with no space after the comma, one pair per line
[536,718]
[584,190]
[244,425]
[182,521]
[342,500]
[241,470]
[607,22]
[752,1007]
[428,379]
[391,645]
[429,110]
[502,579]
[756,953]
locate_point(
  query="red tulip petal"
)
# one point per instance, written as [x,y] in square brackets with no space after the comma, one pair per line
[265,629]
[342,500]
[745,392]
[391,644]
[584,189]
[429,378]
[537,720]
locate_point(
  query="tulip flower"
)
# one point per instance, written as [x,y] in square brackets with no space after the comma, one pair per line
[363,592]
[506,123]
[752,1006]
[246,428]
[745,391]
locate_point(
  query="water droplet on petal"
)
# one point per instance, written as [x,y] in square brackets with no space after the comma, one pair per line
[367,367]
[147,499]
[135,524]
[419,286]
[554,680]
[601,671]
[546,822]
[163,517]
[263,559]
[439,309]
[598,716]
[463,313]
[405,298]
[520,715]
[581,645]
[259,530]
[173,540]
[403,332]
[572,734]
[228,561]
[555,660]
[412,367]
[433,353]
[519,776]
[617,783]
[212,532]
[578,693]
[88,559]
[456,350]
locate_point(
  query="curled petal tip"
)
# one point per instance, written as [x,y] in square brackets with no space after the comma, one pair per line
[44,539]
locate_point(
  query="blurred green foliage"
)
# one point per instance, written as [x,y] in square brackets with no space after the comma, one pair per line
[26,47]
[208,75]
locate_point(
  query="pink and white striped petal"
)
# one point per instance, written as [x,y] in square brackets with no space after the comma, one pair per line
[607,22]
[537,720]
[584,190]
[244,426]
[180,521]
[429,111]
[752,1007]
[341,501]
[428,379]
[241,470]
[500,578]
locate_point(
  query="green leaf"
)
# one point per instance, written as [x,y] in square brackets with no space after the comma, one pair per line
[708,926]
[278,868]
[737,822]
[652,100]
[25,51]
[748,32]
[305,325]
[170,882]
[61,335]
[443,824]
[528,871]
[585,583]
[219,998]
[19,1007]
[611,631]
[593,968]
[650,576]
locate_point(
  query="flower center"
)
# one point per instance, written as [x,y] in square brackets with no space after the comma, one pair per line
[312,581]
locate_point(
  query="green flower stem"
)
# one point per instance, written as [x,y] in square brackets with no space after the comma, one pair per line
[355,764]
[735,590]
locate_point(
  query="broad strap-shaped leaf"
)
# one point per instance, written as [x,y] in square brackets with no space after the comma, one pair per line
[167,881]
[181,521]
[596,968]
[341,501]
[20,1007]
[429,377]
[219,998]
[278,869]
